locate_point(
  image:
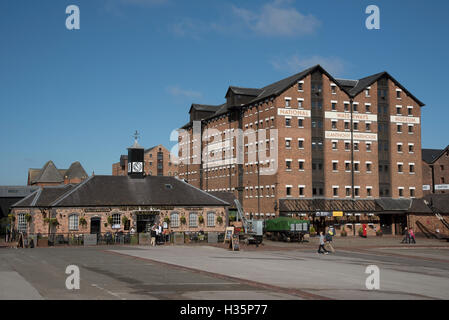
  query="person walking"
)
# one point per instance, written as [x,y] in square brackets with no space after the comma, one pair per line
[412,236]
[329,241]
[406,238]
[153,236]
[322,244]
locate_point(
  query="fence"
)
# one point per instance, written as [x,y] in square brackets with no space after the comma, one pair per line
[109,238]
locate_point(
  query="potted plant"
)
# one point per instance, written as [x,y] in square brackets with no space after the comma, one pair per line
[125,220]
[183,220]
[360,232]
[28,217]
[312,231]
[201,219]
[379,233]
[110,220]
[167,220]
[11,217]
[83,222]
[220,219]
[343,233]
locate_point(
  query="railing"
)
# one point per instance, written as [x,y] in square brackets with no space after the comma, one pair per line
[109,238]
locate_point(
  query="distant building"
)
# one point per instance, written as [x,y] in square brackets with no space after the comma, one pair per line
[158,162]
[435,166]
[49,175]
[10,195]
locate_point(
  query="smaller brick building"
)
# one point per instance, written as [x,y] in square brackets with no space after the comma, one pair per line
[435,166]
[158,162]
[49,175]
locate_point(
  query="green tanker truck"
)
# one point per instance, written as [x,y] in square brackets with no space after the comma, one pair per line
[286,229]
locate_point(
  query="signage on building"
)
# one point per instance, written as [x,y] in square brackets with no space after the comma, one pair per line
[323,214]
[442,187]
[347,116]
[97,209]
[426,187]
[347,135]
[294,112]
[404,119]
[337,213]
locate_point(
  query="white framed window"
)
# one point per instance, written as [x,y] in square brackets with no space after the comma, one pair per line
[21,222]
[193,219]
[116,220]
[211,219]
[174,219]
[73,222]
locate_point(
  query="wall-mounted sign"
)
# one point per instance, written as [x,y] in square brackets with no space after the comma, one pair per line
[337,213]
[404,119]
[442,187]
[97,210]
[347,135]
[347,116]
[323,214]
[426,187]
[294,112]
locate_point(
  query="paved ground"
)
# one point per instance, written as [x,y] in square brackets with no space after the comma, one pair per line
[273,271]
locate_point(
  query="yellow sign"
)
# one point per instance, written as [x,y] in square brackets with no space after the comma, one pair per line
[337,213]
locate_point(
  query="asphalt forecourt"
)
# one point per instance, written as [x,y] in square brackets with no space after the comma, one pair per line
[403,272]
[41,273]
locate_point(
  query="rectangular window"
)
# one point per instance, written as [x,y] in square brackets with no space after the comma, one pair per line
[367,91]
[335,191]
[288,164]
[334,106]
[174,220]
[410,129]
[193,219]
[368,192]
[21,222]
[410,148]
[300,123]
[411,168]
[300,106]
[334,89]
[398,110]
[368,108]
[410,111]
[287,143]
[355,107]
[288,122]
[368,147]
[356,146]
[300,86]
[347,125]
[73,222]
[211,219]
[399,145]
[301,165]
[288,191]
[287,103]
[347,146]
[368,126]
[412,193]
[301,144]
[347,166]
[400,166]
[334,145]
[398,94]
[399,128]
[346,107]
[356,126]
[334,124]
[356,167]
[301,191]
[401,192]
[334,166]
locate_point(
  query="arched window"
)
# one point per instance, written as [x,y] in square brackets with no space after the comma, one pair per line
[73,222]
[116,221]
[174,220]
[21,222]
[193,219]
[211,219]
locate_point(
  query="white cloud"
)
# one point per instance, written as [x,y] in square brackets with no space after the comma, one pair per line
[188,27]
[334,65]
[179,92]
[143,2]
[274,19]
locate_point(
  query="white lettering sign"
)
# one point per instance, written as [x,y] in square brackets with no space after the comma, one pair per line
[347,116]
[426,187]
[347,135]
[403,119]
[294,112]
[442,187]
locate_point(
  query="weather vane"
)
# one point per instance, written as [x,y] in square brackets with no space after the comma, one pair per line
[136,135]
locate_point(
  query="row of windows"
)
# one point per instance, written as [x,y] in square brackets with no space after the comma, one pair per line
[175,219]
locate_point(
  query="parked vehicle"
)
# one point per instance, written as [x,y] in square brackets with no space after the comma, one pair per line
[286,229]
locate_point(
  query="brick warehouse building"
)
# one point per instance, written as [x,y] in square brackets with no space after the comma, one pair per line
[158,162]
[312,113]
[435,166]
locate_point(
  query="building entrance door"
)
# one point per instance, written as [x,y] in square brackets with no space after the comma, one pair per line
[386,220]
[95,225]
[146,221]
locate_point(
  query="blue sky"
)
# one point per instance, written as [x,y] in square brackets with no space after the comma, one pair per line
[139,64]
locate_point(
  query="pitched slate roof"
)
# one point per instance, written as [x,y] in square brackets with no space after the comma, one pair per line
[228,197]
[49,173]
[419,206]
[246,91]
[439,201]
[123,190]
[432,155]
[390,204]
[43,196]
[75,171]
